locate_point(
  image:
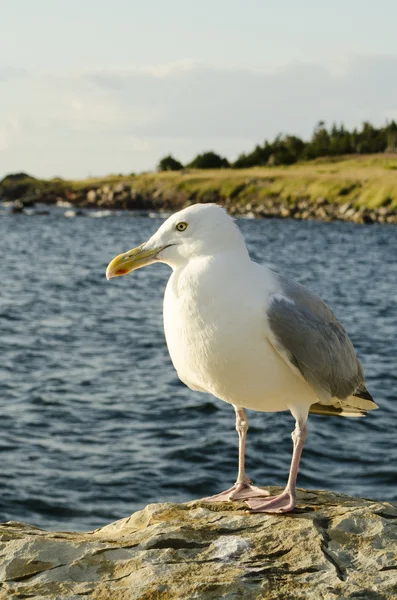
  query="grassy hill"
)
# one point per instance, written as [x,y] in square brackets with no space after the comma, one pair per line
[369,181]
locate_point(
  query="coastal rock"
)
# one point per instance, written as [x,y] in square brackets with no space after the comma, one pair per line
[17,206]
[91,196]
[332,547]
[344,208]
[285,212]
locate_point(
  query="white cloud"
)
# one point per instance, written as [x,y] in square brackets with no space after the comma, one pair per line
[125,119]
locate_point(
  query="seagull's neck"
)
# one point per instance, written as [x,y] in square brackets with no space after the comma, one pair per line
[229,258]
[204,273]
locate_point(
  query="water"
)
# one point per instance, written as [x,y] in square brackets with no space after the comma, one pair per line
[95,423]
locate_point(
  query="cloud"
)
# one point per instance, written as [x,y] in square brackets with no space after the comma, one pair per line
[125,119]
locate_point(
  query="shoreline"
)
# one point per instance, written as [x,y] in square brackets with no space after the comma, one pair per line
[360,190]
[302,212]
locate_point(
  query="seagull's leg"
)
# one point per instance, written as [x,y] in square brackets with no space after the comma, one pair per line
[243,487]
[286,500]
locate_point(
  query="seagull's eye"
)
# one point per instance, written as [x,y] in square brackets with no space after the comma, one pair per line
[181,226]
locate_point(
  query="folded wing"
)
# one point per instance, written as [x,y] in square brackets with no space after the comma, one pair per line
[307,335]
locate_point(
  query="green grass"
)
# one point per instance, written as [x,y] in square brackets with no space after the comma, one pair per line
[369,181]
[365,181]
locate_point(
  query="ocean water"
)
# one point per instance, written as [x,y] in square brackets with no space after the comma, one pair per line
[94,421]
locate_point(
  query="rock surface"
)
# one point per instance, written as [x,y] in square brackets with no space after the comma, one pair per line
[331,547]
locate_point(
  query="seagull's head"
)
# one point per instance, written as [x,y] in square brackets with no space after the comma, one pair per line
[196,231]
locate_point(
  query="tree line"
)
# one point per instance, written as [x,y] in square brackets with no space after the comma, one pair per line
[289,149]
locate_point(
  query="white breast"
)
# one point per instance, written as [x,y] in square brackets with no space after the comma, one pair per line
[216,331]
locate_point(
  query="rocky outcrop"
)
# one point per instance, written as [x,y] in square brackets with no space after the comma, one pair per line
[123,196]
[331,547]
[317,210]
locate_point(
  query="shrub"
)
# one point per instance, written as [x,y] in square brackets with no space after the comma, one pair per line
[209,160]
[169,163]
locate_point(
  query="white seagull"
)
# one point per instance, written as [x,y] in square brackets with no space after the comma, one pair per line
[249,336]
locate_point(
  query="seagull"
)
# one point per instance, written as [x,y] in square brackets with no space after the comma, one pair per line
[249,336]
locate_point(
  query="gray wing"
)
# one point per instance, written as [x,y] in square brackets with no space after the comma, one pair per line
[306,333]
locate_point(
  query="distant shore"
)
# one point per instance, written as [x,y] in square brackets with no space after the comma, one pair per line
[362,190]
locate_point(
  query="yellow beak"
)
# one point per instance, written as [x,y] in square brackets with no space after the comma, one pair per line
[131,260]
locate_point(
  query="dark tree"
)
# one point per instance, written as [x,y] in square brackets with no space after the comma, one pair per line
[289,149]
[209,160]
[391,137]
[169,163]
[319,145]
[258,157]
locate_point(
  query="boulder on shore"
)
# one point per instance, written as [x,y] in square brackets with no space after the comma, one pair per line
[332,547]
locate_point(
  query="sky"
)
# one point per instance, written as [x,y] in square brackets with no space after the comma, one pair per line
[96,87]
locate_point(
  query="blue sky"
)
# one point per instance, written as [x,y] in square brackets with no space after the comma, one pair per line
[91,88]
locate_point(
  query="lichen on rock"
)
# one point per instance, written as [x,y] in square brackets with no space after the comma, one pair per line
[332,547]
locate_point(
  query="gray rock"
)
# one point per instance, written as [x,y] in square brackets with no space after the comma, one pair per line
[331,547]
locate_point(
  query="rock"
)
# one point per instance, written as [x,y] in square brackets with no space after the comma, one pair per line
[358,216]
[303,204]
[332,547]
[17,206]
[321,213]
[344,208]
[119,187]
[349,214]
[285,212]
[108,197]
[17,186]
[383,211]
[64,203]
[91,196]
[73,213]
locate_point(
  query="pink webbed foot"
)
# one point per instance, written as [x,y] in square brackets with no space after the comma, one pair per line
[283,503]
[239,491]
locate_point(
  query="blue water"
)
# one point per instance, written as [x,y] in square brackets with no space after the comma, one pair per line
[94,422]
